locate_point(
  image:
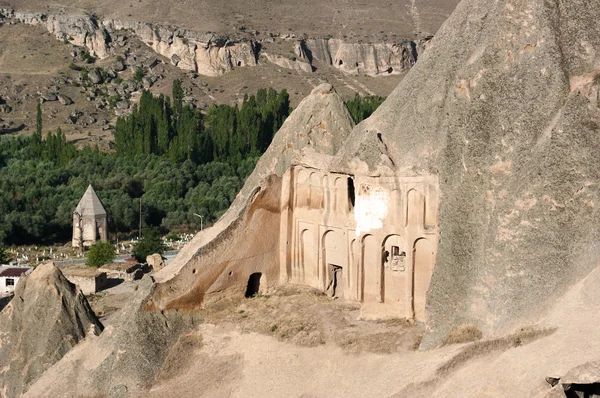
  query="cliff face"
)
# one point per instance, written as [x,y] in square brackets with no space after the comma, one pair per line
[212,54]
[503,107]
[371,59]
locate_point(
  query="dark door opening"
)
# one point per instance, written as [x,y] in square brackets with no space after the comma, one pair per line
[253,285]
[351,194]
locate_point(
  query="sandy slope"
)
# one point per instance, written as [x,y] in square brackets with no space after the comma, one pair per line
[227,359]
[233,364]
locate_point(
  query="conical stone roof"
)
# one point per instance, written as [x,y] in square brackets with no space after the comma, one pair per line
[90,205]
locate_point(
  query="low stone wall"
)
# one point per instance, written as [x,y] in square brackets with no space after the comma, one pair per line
[87,284]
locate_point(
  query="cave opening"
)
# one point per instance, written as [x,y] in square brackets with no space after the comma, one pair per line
[253,285]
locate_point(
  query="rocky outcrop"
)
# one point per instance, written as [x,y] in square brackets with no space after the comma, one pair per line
[288,62]
[492,108]
[500,116]
[212,54]
[46,318]
[370,59]
[82,30]
[205,53]
[124,360]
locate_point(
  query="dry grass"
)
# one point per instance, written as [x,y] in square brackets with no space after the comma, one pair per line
[308,318]
[482,348]
[463,334]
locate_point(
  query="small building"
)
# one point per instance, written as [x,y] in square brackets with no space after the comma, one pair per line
[90,223]
[125,271]
[87,279]
[9,277]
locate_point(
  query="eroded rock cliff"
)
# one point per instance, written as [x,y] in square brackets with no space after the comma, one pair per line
[213,54]
[503,108]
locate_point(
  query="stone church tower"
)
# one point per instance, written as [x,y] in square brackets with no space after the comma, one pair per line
[89,220]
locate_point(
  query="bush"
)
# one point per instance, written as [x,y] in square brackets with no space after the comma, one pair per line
[138,75]
[74,67]
[172,237]
[87,57]
[112,101]
[4,257]
[150,243]
[100,253]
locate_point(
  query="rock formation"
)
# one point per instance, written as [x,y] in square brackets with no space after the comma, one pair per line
[124,360]
[155,261]
[370,59]
[213,54]
[46,318]
[499,120]
[223,257]
[498,108]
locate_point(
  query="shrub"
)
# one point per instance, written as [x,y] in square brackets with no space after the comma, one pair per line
[112,101]
[139,74]
[74,67]
[4,257]
[87,57]
[172,236]
[100,253]
[150,243]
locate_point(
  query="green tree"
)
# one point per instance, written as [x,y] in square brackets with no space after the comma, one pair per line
[100,253]
[362,107]
[177,99]
[4,257]
[38,119]
[150,243]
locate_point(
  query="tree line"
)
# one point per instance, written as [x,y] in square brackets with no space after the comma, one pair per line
[169,156]
[180,132]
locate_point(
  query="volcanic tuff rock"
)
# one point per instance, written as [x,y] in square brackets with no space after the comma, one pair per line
[124,359]
[501,107]
[318,126]
[46,318]
[213,54]
[371,59]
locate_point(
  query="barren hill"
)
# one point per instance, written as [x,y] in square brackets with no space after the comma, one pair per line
[364,20]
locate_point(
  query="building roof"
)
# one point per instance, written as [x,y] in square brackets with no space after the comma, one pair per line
[90,205]
[121,267]
[80,271]
[12,272]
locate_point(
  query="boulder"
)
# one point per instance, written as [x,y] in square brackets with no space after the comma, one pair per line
[122,105]
[118,65]
[49,97]
[95,76]
[63,99]
[155,261]
[47,317]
